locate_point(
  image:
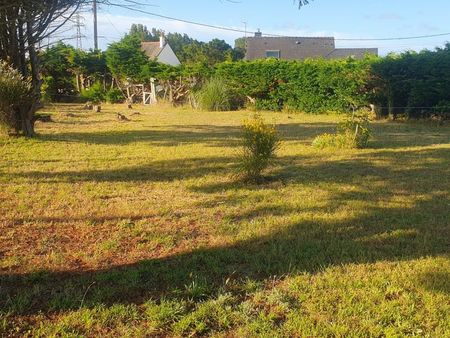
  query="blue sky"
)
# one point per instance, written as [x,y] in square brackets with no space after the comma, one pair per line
[342,19]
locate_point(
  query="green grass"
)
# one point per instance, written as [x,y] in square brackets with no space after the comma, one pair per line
[140,228]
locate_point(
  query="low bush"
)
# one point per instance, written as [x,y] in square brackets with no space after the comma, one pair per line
[260,142]
[14,96]
[216,95]
[353,132]
[114,96]
[94,93]
[442,110]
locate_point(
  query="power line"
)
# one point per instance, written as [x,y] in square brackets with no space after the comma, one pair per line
[236,30]
[181,20]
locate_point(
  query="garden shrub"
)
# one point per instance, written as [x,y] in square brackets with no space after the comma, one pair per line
[114,95]
[442,110]
[14,95]
[216,95]
[353,132]
[357,127]
[94,93]
[260,142]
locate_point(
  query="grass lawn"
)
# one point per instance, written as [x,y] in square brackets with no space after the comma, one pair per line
[140,228]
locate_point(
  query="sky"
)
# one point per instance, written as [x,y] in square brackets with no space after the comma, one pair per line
[342,19]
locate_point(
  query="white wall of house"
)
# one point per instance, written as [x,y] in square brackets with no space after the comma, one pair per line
[168,57]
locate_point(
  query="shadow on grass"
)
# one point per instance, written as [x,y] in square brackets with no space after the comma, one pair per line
[172,135]
[384,165]
[156,171]
[394,135]
[392,232]
[300,247]
[408,134]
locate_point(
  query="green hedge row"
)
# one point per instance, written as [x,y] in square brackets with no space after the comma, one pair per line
[311,86]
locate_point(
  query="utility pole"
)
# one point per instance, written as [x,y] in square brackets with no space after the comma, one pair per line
[94,10]
[245,27]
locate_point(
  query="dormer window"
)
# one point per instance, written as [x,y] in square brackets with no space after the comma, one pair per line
[273,54]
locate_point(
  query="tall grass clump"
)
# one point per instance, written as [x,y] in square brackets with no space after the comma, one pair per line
[216,95]
[259,144]
[15,96]
[353,132]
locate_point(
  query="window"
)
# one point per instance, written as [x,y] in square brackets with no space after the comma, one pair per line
[273,54]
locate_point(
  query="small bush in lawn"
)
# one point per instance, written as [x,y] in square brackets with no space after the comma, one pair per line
[442,110]
[94,93]
[216,95]
[115,96]
[14,95]
[260,142]
[353,132]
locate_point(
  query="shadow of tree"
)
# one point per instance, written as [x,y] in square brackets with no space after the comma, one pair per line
[408,134]
[171,135]
[156,171]
[379,232]
[379,165]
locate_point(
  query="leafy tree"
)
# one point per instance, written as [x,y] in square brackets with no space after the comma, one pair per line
[142,32]
[25,23]
[125,59]
[57,69]
[67,70]
[179,42]
[240,49]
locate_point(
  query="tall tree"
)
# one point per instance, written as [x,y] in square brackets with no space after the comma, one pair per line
[125,58]
[23,25]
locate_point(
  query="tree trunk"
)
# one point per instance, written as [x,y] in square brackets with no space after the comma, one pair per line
[27,115]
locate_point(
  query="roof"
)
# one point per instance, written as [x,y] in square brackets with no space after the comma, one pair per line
[301,48]
[357,53]
[152,49]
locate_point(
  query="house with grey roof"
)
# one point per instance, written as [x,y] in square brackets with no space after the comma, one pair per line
[160,51]
[300,48]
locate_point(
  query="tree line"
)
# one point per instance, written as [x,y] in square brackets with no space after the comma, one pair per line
[411,83]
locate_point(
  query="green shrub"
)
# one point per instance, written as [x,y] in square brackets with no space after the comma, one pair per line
[442,110]
[260,142]
[94,93]
[356,127]
[14,95]
[115,96]
[216,95]
[353,132]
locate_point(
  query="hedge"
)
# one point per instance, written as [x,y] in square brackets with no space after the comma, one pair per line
[311,86]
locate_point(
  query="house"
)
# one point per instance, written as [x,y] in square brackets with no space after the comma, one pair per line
[300,48]
[160,51]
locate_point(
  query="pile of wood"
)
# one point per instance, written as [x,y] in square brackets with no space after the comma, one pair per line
[178,91]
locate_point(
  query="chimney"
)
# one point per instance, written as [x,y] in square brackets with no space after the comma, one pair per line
[162,41]
[258,34]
